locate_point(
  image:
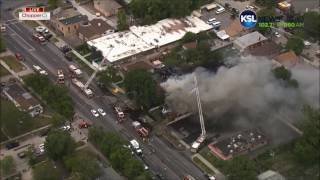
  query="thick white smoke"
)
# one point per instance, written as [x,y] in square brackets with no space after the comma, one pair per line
[248,89]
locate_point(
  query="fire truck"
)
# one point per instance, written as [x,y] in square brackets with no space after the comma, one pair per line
[75,72]
[60,75]
[87,91]
[84,124]
[120,113]
[142,131]
[37,37]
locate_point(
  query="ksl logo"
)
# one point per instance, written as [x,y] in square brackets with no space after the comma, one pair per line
[248,18]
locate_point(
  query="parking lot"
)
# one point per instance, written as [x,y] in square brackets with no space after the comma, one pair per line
[236,4]
[224,18]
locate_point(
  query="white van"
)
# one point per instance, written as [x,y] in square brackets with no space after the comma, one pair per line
[216,24]
[211,20]
[220,10]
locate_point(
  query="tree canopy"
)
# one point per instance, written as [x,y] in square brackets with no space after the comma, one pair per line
[108,76]
[46,171]
[151,11]
[59,144]
[312,24]
[285,75]
[122,22]
[307,147]
[80,170]
[7,165]
[57,97]
[121,159]
[140,86]
[296,44]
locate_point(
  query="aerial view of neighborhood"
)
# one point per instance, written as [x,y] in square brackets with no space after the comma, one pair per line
[160,90]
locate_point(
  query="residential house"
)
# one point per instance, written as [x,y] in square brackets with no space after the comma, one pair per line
[249,41]
[68,21]
[107,7]
[22,99]
[288,59]
[93,29]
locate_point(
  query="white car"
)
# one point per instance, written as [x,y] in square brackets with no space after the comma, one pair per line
[101,111]
[277,34]
[41,148]
[94,113]
[66,128]
[220,10]
[40,70]
[41,29]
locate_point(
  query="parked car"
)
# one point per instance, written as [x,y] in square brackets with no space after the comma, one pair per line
[65,49]
[94,113]
[12,145]
[220,10]
[101,111]
[277,34]
[22,155]
[68,56]
[19,56]
[41,148]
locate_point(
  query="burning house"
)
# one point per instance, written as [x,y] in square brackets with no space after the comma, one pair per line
[241,143]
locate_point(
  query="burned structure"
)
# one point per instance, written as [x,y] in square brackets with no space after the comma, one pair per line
[240,143]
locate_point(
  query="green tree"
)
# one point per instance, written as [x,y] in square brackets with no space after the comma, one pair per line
[267,12]
[312,24]
[133,168]
[84,171]
[59,144]
[122,22]
[108,76]
[267,3]
[295,44]
[46,171]
[282,73]
[7,165]
[241,168]
[142,88]
[53,3]
[189,37]
[307,147]
[57,120]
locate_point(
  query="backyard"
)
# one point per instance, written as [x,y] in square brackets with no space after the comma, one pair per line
[3,71]
[13,63]
[14,122]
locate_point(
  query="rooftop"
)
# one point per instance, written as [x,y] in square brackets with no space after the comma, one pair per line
[240,143]
[287,59]
[73,19]
[21,96]
[108,5]
[249,39]
[95,27]
[142,38]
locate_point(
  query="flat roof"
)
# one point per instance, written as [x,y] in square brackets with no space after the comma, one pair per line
[249,39]
[143,38]
[73,20]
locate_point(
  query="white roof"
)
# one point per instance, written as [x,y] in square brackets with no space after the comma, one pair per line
[222,35]
[143,38]
[249,39]
[211,6]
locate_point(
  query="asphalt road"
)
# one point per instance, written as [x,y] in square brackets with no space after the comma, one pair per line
[165,160]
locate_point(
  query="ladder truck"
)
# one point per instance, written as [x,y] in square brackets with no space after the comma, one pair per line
[87,91]
[195,145]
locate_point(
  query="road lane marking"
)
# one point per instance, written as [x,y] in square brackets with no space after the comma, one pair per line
[16,34]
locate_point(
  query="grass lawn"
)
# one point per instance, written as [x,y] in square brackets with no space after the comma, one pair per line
[202,166]
[32,24]
[83,50]
[218,163]
[13,63]
[3,137]
[3,71]
[48,169]
[15,122]
[83,65]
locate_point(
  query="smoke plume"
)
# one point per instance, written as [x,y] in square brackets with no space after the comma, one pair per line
[248,91]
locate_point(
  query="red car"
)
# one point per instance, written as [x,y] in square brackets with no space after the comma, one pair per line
[19,57]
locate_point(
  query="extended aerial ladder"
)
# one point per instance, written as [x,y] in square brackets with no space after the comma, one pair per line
[96,70]
[195,145]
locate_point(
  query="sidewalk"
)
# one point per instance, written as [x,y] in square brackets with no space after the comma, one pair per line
[217,174]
